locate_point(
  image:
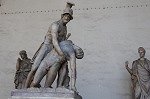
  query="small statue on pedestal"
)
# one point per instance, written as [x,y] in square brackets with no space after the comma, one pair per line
[23,67]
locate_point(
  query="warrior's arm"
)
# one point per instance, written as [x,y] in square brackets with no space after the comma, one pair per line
[68,35]
[73,71]
[18,64]
[54,31]
[128,69]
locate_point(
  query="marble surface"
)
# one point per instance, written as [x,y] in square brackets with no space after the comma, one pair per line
[43,93]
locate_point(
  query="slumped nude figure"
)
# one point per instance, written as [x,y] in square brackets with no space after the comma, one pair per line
[52,62]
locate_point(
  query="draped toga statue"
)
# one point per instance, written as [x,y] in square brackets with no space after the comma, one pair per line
[140,76]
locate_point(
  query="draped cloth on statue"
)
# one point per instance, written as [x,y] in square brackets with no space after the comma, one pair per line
[141,68]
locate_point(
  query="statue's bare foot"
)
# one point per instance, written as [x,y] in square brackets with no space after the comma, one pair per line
[74,88]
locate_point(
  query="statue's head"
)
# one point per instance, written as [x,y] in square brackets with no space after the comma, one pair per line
[78,52]
[141,52]
[68,44]
[23,54]
[67,14]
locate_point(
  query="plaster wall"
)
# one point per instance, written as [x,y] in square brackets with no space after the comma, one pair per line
[109,31]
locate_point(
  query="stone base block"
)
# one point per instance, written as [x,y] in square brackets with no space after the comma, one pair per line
[44,93]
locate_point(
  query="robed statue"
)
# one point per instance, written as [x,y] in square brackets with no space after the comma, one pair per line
[23,67]
[140,76]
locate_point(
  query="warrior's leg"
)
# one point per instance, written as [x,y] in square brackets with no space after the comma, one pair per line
[51,75]
[41,72]
[63,79]
[67,78]
[73,71]
[42,53]
[30,77]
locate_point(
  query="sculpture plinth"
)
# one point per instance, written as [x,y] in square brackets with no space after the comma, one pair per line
[44,93]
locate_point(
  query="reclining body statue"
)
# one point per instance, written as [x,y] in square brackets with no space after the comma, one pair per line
[52,62]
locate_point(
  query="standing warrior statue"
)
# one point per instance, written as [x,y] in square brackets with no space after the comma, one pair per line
[23,67]
[140,76]
[63,73]
[57,32]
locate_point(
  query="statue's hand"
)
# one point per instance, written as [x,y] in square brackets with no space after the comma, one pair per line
[18,60]
[126,64]
[62,55]
[62,58]
[68,35]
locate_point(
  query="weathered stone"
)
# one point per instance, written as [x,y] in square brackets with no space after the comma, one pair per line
[44,93]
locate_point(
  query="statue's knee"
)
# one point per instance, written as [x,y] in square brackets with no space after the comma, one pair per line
[43,67]
[34,84]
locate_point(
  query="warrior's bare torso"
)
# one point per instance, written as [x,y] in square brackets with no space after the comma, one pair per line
[59,28]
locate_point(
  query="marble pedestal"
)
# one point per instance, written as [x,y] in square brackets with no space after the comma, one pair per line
[44,93]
